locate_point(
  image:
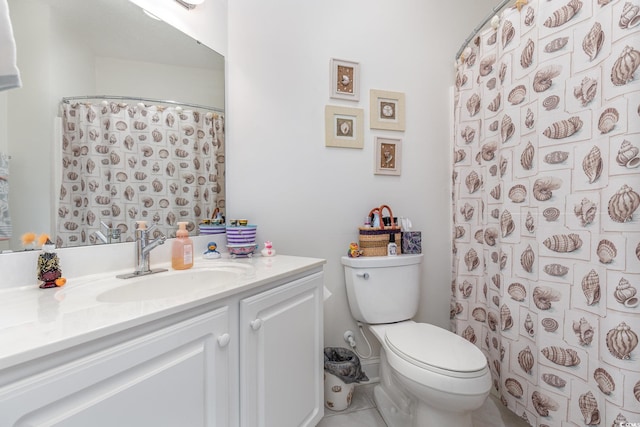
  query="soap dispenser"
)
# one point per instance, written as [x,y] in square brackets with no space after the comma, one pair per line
[182,250]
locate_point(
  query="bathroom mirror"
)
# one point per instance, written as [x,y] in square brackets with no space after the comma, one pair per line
[65,48]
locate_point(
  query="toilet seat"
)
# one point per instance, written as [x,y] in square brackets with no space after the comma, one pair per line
[435,349]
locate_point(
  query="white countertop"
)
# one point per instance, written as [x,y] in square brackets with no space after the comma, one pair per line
[35,322]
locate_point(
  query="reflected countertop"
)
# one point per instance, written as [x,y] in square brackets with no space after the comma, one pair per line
[35,322]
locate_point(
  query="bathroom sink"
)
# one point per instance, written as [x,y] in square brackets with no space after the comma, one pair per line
[172,284]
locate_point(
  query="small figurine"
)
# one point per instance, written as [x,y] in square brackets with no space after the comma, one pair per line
[520,4]
[49,271]
[268,249]
[211,252]
[354,251]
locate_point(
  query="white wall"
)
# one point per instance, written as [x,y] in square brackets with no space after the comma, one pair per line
[113,76]
[30,127]
[309,199]
[4,143]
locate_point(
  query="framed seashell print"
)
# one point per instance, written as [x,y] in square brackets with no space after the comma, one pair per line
[386,110]
[345,80]
[388,156]
[344,127]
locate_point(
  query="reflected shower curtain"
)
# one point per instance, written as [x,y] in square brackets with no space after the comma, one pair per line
[125,163]
[546,188]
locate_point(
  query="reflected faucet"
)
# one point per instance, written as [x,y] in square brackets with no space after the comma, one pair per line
[111,233]
[143,248]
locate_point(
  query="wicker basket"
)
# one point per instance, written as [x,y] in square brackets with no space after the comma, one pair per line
[374,240]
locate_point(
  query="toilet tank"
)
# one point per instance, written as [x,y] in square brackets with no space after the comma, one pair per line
[383,289]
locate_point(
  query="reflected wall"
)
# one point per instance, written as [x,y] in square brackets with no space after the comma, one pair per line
[59,58]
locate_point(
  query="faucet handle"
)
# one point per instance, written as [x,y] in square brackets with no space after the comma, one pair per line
[153,227]
[115,233]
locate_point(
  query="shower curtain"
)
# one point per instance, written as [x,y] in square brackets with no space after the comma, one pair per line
[124,163]
[546,225]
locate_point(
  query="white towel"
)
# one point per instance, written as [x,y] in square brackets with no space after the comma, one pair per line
[5,218]
[9,74]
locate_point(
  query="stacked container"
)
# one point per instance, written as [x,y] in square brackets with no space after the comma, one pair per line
[241,240]
[211,229]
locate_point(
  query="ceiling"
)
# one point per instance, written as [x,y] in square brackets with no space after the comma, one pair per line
[119,28]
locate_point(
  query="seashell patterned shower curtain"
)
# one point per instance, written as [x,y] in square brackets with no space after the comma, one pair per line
[124,163]
[546,195]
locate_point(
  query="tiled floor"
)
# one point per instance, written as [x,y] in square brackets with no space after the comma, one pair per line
[363,413]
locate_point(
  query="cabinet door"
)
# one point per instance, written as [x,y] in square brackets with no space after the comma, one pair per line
[176,376]
[281,358]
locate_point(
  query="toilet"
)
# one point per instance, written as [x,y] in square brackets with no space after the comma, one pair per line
[429,376]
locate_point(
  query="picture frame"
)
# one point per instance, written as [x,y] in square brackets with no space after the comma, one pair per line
[388,160]
[387,110]
[345,80]
[344,127]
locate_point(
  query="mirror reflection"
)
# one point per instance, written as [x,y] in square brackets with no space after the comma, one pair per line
[86,169]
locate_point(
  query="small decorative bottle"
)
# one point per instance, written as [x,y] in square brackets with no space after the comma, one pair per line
[376,221]
[392,247]
[49,270]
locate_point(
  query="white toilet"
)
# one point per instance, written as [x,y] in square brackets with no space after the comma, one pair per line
[429,376]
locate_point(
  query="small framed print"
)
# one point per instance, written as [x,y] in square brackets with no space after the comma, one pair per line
[388,156]
[344,127]
[387,110]
[345,80]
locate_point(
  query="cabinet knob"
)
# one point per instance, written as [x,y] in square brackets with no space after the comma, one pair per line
[256,324]
[223,340]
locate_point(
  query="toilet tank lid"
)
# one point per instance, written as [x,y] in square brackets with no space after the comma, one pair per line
[382,261]
[430,345]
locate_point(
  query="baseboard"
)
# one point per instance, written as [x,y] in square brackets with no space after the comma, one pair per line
[371,367]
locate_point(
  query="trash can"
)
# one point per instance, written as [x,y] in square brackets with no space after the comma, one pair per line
[342,371]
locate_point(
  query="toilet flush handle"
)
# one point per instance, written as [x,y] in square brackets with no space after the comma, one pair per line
[365,276]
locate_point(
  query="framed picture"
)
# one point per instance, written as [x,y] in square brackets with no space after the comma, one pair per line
[344,127]
[345,80]
[387,110]
[388,156]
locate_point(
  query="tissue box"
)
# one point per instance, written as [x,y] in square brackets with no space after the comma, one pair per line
[412,242]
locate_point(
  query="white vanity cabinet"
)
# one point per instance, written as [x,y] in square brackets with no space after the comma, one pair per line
[175,376]
[281,357]
[250,357]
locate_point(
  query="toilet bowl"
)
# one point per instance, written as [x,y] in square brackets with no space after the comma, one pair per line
[429,376]
[441,377]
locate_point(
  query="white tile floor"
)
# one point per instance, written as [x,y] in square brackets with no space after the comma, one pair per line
[363,413]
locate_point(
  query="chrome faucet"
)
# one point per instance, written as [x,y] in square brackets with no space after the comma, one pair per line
[143,248]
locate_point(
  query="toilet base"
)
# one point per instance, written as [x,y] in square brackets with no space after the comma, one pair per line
[421,415]
[392,415]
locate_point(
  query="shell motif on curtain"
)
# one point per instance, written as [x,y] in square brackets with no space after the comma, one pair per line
[126,163]
[546,195]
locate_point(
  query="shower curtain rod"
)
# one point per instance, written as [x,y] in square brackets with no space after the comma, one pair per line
[477,29]
[67,99]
